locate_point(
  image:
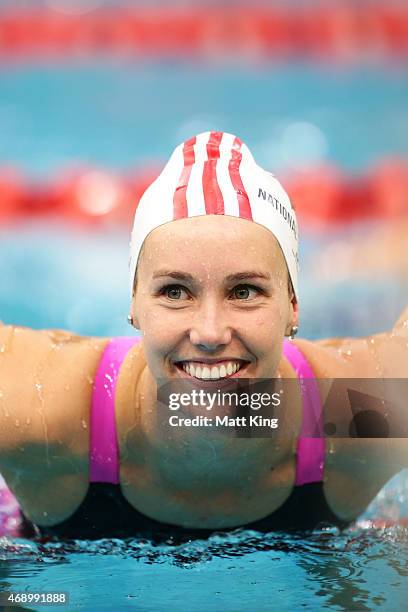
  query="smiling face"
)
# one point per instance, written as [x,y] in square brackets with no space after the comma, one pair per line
[212,296]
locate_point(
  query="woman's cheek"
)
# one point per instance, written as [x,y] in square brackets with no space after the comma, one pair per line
[268,324]
[154,358]
[153,320]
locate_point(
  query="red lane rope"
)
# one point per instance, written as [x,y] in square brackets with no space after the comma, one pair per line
[94,196]
[339,29]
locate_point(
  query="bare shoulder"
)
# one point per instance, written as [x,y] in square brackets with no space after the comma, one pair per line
[383,355]
[46,380]
[401,326]
[328,357]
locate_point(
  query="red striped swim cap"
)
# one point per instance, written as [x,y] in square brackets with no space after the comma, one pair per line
[214,173]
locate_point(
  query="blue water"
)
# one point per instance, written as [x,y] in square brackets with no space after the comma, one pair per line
[123,115]
[363,570]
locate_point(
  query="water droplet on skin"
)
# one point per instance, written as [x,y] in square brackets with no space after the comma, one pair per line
[348,352]
[405,323]
[17,423]
[84,425]
[5,412]
[6,347]
[40,411]
[373,351]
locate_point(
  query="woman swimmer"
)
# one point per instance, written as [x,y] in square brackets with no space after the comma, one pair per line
[213,276]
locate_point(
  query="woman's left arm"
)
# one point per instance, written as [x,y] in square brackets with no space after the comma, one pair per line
[391,350]
[398,339]
[377,368]
[401,326]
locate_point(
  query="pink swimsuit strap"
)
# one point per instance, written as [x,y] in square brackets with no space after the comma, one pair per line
[311,448]
[104,451]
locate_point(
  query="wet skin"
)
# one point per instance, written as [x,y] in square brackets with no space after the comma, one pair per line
[190,305]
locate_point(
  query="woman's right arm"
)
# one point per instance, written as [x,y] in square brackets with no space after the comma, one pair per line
[20,359]
[46,380]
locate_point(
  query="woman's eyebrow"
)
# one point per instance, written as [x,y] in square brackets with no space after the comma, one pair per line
[238,276]
[248,274]
[184,276]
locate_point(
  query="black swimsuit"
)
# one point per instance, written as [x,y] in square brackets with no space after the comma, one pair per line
[105,513]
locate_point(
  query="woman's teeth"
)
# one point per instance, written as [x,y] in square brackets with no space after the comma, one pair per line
[204,372]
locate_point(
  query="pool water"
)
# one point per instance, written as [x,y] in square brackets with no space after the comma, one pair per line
[112,114]
[360,570]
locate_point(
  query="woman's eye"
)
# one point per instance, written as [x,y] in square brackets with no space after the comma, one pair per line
[173,292]
[245,292]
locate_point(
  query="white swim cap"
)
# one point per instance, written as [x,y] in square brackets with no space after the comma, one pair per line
[214,173]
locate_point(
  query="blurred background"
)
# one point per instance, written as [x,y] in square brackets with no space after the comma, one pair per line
[94,96]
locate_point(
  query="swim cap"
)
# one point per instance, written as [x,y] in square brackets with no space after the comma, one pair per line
[215,173]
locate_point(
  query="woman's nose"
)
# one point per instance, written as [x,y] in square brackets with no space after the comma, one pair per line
[209,329]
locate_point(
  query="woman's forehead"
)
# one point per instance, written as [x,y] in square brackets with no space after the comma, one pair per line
[219,238]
